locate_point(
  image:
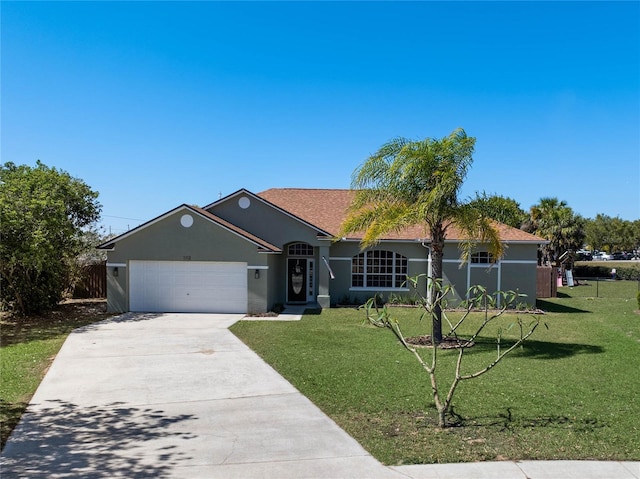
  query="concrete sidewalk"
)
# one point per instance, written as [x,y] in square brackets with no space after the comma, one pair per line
[179,396]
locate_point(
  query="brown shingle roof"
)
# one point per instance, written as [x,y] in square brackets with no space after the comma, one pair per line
[326,209]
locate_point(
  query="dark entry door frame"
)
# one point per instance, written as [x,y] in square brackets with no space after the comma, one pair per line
[299,280]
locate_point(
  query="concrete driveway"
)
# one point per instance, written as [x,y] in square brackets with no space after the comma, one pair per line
[179,396]
[174,395]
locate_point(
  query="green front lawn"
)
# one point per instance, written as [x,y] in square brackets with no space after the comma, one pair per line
[570,393]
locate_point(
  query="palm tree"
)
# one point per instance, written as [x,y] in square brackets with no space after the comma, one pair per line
[408,183]
[555,221]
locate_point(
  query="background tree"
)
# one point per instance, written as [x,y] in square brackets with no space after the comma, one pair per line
[44,214]
[611,234]
[597,232]
[555,221]
[407,183]
[500,208]
[635,236]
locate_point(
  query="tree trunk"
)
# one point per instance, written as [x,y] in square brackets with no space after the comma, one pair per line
[437,253]
[442,418]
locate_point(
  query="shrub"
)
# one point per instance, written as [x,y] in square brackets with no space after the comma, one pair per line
[631,272]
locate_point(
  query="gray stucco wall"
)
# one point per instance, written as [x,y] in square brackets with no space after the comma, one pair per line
[276,275]
[168,240]
[517,270]
[257,291]
[457,277]
[117,287]
[265,221]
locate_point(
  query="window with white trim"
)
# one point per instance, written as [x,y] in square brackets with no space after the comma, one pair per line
[481,257]
[378,269]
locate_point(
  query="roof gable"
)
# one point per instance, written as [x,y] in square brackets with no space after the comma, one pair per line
[321,232]
[260,243]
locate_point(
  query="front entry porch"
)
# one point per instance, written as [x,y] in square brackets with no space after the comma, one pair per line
[306,283]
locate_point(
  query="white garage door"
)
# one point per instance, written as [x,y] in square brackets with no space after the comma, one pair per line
[188,287]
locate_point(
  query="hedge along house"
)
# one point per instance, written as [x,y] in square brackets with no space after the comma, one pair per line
[247,252]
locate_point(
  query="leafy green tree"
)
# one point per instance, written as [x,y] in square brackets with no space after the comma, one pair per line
[611,234]
[555,221]
[624,233]
[597,232]
[408,183]
[44,214]
[500,208]
[635,236]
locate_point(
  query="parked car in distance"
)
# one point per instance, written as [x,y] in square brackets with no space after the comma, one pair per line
[584,255]
[617,256]
[601,256]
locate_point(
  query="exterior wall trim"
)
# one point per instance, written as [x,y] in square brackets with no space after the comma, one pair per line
[379,289]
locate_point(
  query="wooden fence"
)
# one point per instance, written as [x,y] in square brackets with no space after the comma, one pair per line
[92,282]
[547,282]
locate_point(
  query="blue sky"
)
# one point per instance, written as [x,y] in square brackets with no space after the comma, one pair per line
[155,104]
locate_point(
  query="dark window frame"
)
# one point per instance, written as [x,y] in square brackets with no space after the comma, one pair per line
[303,250]
[481,257]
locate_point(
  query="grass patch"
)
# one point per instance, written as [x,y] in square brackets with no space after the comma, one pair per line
[568,393]
[598,288]
[27,348]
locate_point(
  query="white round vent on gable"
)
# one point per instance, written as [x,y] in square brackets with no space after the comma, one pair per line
[186,221]
[244,202]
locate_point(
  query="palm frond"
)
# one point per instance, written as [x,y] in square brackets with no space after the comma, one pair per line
[409,182]
[376,219]
[477,229]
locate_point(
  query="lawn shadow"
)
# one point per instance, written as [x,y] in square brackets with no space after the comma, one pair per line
[16,331]
[62,439]
[535,349]
[510,420]
[547,350]
[550,307]
[63,319]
